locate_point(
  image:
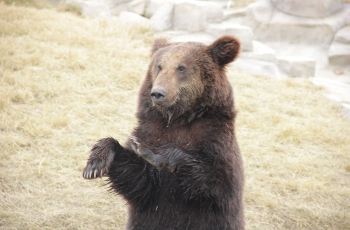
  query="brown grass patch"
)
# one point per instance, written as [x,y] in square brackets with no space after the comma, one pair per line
[61,6]
[31,3]
[66,81]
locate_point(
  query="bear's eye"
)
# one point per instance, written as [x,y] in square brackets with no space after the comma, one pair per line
[181,68]
[159,68]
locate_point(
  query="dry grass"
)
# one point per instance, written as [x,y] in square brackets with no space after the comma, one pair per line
[61,6]
[241,3]
[31,3]
[296,146]
[70,7]
[66,81]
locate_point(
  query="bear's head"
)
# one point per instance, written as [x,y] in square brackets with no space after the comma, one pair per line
[185,77]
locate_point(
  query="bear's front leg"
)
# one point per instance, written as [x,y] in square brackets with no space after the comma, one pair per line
[165,158]
[101,158]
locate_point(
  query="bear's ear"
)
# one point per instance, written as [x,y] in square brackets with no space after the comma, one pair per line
[224,50]
[159,43]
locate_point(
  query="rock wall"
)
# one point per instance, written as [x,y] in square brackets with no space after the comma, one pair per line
[296,37]
[280,38]
[308,8]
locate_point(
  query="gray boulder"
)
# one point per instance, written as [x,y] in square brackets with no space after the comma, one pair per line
[117,6]
[153,5]
[162,18]
[243,33]
[275,26]
[339,51]
[137,6]
[343,35]
[133,19]
[339,54]
[184,36]
[308,8]
[189,17]
[257,67]
[214,11]
[260,52]
[194,15]
[94,9]
[294,66]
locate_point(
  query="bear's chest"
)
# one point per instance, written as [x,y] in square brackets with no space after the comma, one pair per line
[155,135]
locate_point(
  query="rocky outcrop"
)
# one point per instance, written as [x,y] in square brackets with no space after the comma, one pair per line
[339,51]
[308,8]
[294,66]
[189,17]
[161,19]
[279,38]
[195,15]
[267,29]
[243,33]
[133,19]
[260,51]
[273,25]
[343,35]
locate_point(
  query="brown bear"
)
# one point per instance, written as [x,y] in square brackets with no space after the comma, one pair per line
[181,168]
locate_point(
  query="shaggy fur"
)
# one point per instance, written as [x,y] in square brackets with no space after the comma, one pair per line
[181,168]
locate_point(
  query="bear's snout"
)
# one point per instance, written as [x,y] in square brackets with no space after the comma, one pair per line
[158,94]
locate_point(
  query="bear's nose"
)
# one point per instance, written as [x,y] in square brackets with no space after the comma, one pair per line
[158,94]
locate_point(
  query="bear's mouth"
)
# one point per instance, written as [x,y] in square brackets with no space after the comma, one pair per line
[171,110]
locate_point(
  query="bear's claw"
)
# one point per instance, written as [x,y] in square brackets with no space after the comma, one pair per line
[95,168]
[100,159]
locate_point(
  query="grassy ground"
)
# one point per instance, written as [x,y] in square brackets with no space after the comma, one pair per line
[61,6]
[66,81]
